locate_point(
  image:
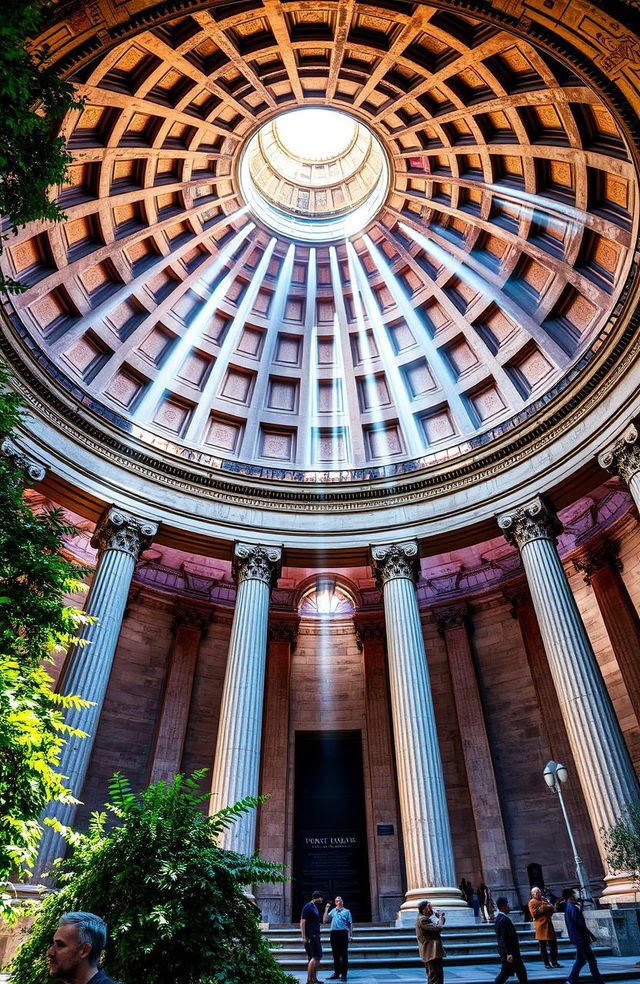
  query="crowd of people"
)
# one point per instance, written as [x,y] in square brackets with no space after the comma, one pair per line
[81,937]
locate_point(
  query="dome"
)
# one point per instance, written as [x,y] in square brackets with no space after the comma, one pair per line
[433,286]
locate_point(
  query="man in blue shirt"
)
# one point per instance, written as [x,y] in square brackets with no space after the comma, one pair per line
[341,932]
[581,937]
[76,947]
[310,929]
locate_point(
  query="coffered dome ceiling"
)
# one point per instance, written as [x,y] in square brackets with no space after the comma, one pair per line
[208,297]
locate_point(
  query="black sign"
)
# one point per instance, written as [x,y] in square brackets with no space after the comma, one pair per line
[384,830]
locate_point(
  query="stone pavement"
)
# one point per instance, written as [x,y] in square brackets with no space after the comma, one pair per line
[619,968]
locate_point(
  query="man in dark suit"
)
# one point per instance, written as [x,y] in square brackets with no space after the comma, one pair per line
[581,937]
[508,946]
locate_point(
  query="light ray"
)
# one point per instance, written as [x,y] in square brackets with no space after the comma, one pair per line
[175,361]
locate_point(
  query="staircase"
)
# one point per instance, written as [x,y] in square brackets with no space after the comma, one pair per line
[383,946]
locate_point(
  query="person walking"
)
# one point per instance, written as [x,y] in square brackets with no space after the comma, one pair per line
[428,931]
[508,946]
[541,912]
[310,929]
[340,936]
[581,937]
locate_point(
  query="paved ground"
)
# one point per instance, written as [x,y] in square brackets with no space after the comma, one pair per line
[623,968]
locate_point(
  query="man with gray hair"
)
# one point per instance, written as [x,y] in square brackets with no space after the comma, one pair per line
[75,951]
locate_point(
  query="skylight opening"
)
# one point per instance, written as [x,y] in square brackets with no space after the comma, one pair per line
[314,175]
[316,134]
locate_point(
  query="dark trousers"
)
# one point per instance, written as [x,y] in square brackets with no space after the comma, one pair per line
[435,971]
[507,969]
[553,950]
[585,955]
[340,949]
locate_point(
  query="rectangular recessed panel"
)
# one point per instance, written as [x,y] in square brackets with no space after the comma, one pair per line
[125,388]
[195,368]
[155,346]
[438,425]
[289,349]
[224,433]
[238,385]
[383,441]
[277,444]
[173,415]
[251,341]
[283,394]
[418,378]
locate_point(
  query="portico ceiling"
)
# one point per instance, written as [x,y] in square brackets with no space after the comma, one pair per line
[481,297]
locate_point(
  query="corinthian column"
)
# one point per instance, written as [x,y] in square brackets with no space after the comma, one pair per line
[604,767]
[119,538]
[236,770]
[423,806]
[623,459]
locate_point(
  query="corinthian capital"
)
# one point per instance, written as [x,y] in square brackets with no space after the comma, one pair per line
[396,560]
[536,520]
[623,458]
[32,470]
[451,617]
[120,530]
[252,562]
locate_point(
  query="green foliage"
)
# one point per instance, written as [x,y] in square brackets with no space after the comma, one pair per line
[172,899]
[35,624]
[622,842]
[33,100]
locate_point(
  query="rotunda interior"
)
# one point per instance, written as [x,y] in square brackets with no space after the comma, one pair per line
[336,352]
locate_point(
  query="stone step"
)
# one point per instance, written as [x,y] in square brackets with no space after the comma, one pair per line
[405,956]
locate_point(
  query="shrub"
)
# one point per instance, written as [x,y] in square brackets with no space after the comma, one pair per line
[622,842]
[35,623]
[173,900]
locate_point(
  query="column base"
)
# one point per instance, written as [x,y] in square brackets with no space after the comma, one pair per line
[620,888]
[450,899]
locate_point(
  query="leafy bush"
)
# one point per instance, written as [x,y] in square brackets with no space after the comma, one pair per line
[35,623]
[33,157]
[172,899]
[622,842]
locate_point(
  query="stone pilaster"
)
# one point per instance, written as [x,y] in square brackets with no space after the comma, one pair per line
[272,827]
[554,737]
[119,538]
[453,622]
[236,769]
[386,889]
[423,807]
[189,628]
[601,568]
[606,773]
[623,459]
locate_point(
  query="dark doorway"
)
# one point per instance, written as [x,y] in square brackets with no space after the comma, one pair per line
[330,830]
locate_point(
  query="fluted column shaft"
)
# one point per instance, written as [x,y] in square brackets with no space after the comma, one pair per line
[236,768]
[423,807]
[481,779]
[188,630]
[606,773]
[120,539]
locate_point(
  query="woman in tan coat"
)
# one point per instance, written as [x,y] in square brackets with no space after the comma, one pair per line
[541,913]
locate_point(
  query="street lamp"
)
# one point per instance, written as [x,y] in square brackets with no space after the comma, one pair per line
[554,775]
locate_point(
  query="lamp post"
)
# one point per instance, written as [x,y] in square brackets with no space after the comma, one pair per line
[554,775]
